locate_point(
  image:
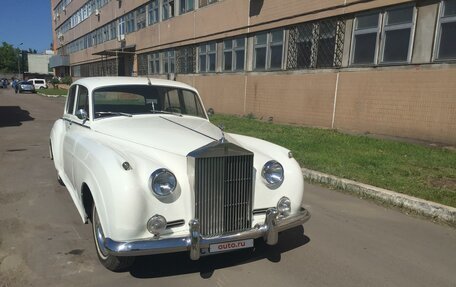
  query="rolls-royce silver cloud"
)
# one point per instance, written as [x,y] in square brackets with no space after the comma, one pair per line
[143,163]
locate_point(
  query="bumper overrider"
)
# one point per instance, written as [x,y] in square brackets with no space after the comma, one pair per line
[199,245]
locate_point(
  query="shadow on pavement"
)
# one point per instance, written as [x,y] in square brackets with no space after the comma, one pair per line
[13,116]
[164,265]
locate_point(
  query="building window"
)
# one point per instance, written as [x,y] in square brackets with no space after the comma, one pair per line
[268,50]
[140,17]
[168,62]
[167,9]
[446,41]
[316,45]
[186,6]
[396,31]
[397,35]
[234,55]
[121,28]
[186,60]
[153,12]
[365,38]
[154,63]
[113,30]
[130,22]
[207,57]
[203,3]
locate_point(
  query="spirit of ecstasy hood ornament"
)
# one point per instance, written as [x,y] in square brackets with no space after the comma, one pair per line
[222,128]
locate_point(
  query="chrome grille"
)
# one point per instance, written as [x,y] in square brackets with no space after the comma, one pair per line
[223,193]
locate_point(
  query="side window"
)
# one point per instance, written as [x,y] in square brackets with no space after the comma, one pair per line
[83,99]
[70,100]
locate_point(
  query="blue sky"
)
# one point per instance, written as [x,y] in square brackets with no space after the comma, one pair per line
[26,21]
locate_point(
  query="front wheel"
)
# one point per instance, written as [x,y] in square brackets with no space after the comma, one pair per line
[111,262]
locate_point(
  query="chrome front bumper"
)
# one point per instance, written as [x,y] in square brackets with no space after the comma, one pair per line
[198,245]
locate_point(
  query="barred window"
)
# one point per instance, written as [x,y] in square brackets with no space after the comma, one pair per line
[446,41]
[140,17]
[186,60]
[186,6]
[153,12]
[167,9]
[154,63]
[143,64]
[234,54]
[316,45]
[168,62]
[268,50]
[207,57]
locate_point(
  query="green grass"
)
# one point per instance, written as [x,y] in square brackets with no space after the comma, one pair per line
[417,170]
[54,92]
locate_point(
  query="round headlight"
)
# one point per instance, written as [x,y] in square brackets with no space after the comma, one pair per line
[284,206]
[156,224]
[163,182]
[273,174]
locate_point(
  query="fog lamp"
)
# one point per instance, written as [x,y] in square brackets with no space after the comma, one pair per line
[156,224]
[284,206]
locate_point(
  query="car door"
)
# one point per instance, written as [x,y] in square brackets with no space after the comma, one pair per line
[68,138]
[76,127]
[79,131]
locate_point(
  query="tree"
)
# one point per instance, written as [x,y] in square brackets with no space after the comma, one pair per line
[8,58]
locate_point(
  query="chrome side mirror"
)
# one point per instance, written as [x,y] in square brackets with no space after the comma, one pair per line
[82,114]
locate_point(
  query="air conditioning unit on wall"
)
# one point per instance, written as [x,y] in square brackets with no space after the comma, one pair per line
[97,12]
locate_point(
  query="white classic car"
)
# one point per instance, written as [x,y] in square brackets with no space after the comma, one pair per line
[141,160]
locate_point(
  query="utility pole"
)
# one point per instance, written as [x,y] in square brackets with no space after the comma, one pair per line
[19,60]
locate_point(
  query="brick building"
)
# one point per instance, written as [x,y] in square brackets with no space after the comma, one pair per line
[380,66]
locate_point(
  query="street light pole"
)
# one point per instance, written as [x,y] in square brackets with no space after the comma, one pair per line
[19,59]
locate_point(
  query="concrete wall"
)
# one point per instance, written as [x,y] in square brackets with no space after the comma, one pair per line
[416,102]
[38,63]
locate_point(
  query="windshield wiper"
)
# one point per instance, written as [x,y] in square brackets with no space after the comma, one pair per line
[113,114]
[165,112]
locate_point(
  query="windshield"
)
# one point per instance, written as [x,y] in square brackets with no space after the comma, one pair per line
[145,99]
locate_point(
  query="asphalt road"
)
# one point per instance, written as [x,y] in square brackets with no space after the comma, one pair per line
[347,242]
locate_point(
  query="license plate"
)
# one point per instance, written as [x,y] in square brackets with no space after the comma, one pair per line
[232,245]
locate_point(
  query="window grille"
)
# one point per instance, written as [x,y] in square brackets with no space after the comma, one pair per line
[186,60]
[142,64]
[316,45]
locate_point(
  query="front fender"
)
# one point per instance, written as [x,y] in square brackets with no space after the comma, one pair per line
[123,198]
[293,184]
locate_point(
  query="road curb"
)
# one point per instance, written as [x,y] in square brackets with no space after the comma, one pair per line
[48,96]
[429,209]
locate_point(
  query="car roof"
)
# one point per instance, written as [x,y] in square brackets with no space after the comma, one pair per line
[96,82]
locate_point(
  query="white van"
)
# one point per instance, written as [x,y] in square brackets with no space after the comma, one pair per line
[38,83]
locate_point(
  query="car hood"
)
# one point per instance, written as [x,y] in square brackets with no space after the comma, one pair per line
[175,134]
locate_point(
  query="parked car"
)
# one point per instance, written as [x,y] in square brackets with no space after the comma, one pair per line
[142,161]
[39,83]
[24,86]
